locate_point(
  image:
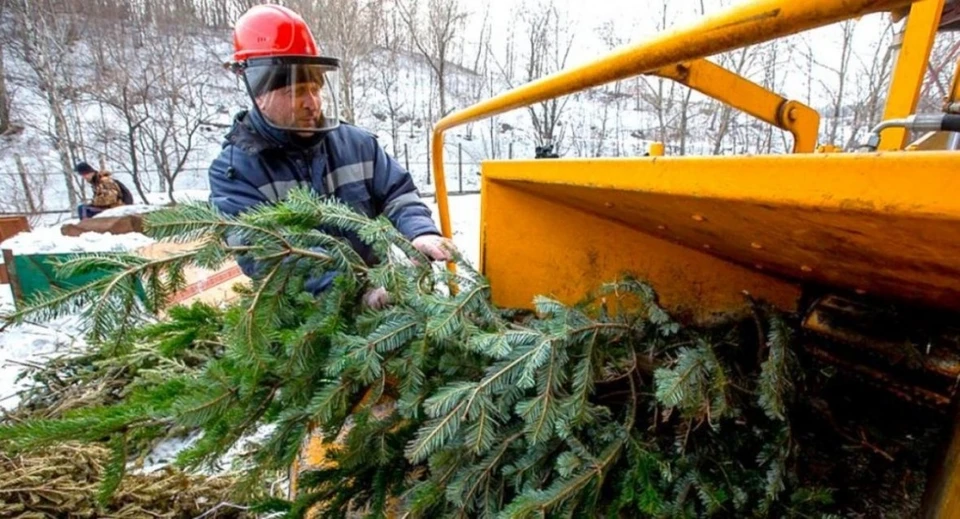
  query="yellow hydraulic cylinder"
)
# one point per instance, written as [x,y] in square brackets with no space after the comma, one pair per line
[739,92]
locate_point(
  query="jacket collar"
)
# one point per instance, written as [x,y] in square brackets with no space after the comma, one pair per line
[252,134]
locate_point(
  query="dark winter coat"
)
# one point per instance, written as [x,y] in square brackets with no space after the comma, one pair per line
[259,165]
[107,193]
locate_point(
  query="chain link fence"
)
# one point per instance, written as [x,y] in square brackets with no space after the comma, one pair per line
[462,177]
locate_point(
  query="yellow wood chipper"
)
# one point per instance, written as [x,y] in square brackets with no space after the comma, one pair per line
[836,237]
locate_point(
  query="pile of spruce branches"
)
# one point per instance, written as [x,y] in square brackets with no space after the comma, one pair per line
[607,407]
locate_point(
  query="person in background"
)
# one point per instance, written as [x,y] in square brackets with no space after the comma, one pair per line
[107,191]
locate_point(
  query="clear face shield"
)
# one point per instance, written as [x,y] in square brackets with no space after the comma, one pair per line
[295,94]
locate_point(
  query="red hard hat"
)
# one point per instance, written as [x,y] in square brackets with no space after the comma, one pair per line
[272,30]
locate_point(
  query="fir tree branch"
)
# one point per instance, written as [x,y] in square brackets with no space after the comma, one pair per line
[583,380]
[775,385]
[504,370]
[489,465]
[542,407]
[434,434]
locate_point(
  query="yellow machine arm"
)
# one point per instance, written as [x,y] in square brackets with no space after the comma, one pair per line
[732,89]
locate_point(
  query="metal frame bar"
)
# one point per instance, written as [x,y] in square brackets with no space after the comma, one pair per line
[908,76]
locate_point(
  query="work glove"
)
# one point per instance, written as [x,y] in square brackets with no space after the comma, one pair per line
[376,298]
[435,247]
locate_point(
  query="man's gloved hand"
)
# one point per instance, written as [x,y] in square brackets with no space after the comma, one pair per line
[435,247]
[376,298]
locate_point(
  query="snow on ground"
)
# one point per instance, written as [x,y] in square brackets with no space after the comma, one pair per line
[49,240]
[163,454]
[126,210]
[33,343]
[180,195]
[30,344]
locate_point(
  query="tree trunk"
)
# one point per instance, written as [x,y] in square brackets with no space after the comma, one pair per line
[22,172]
[62,139]
[4,99]
[662,124]
[442,84]
[135,164]
[684,120]
[349,110]
[726,113]
[845,51]
[493,139]
[170,191]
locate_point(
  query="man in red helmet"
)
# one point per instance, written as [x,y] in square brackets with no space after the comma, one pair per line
[293,137]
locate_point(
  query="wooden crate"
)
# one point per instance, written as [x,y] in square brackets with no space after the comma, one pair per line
[9,227]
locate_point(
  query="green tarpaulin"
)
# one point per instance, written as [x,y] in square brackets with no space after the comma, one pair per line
[36,274]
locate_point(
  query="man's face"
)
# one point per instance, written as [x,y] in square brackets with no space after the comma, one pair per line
[294,106]
[88,176]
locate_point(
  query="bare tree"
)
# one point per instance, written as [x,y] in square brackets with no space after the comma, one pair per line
[223,13]
[122,88]
[155,100]
[599,131]
[4,92]
[494,127]
[23,192]
[479,81]
[179,101]
[549,42]
[545,40]
[940,70]
[351,26]
[388,73]
[44,32]
[434,37]
[579,129]
[656,92]
[684,108]
[347,29]
[839,100]
[873,79]
[4,99]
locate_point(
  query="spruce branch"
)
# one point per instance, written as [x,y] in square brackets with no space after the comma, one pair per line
[775,384]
